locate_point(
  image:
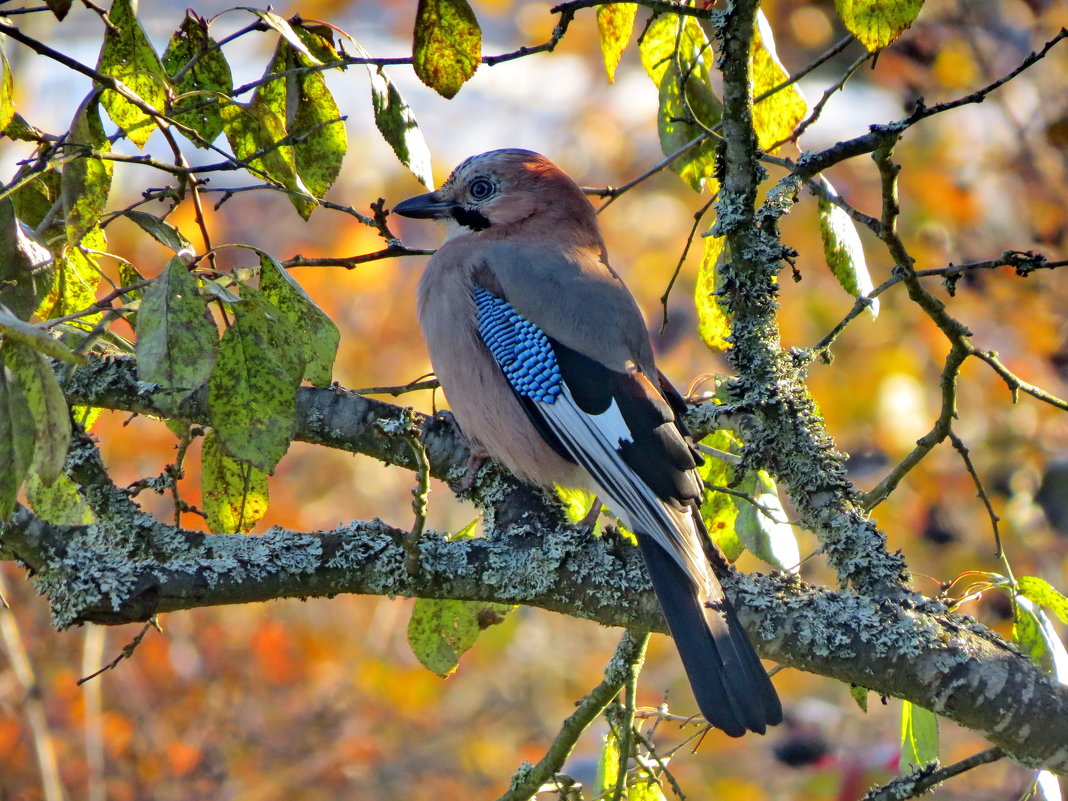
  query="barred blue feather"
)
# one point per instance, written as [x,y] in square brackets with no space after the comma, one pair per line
[522,350]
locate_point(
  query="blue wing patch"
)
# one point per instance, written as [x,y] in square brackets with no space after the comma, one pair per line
[522,350]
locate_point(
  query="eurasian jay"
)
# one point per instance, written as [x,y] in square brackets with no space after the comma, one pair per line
[546,362]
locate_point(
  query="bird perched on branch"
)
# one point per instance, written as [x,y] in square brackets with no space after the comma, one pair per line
[547,365]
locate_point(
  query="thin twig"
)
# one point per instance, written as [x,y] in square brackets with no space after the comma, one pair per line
[126,652]
[920,781]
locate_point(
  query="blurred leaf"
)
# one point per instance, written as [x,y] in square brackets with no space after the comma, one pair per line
[1047,787]
[645,788]
[615,24]
[235,493]
[210,74]
[59,7]
[712,322]
[860,695]
[680,106]
[162,231]
[718,509]
[85,416]
[16,440]
[1044,594]
[877,23]
[447,47]
[23,278]
[252,391]
[439,632]
[607,765]
[317,332]
[844,251]
[38,385]
[7,91]
[85,181]
[398,127]
[176,338]
[127,55]
[38,339]
[577,502]
[61,503]
[776,116]
[919,737]
[762,525]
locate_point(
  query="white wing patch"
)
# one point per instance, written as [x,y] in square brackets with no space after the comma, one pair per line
[612,424]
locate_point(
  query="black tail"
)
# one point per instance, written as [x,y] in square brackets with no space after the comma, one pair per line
[732,688]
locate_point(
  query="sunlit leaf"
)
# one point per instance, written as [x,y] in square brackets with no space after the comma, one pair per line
[319,335]
[7,91]
[615,24]
[23,261]
[1047,787]
[176,338]
[285,30]
[252,391]
[127,55]
[74,281]
[60,503]
[844,251]
[762,524]
[85,181]
[398,127]
[439,632]
[1033,631]
[210,74]
[776,116]
[235,493]
[671,37]
[1044,594]
[685,101]
[447,47]
[607,765]
[37,383]
[38,339]
[85,416]
[860,695]
[16,440]
[577,502]
[162,231]
[645,788]
[919,737]
[712,322]
[877,23]
[320,141]
[718,509]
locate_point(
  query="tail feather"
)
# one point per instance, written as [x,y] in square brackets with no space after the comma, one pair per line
[731,687]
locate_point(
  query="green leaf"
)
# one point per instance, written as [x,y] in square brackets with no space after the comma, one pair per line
[713,324]
[1034,632]
[439,632]
[235,493]
[254,132]
[919,737]
[776,116]
[60,503]
[162,231]
[685,100]
[176,338]
[860,695]
[127,55]
[577,502]
[1044,594]
[48,407]
[607,766]
[320,141]
[877,23]
[398,127]
[718,509]
[447,46]
[673,38]
[317,331]
[34,199]
[252,392]
[645,788]
[25,264]
[59,7]
[285,30]
[36,338]
[844,251]
[7,91]
[16,440]
[195,105]
[85,181]
[615,23]
[75,280]
[762,525]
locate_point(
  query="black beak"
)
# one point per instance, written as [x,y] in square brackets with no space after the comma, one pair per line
[425,207]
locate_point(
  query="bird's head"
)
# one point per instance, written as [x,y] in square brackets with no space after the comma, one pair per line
[499,189]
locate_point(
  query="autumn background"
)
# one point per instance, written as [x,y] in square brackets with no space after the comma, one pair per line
[324,699]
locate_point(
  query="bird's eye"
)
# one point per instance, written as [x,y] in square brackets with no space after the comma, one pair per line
[480,189]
